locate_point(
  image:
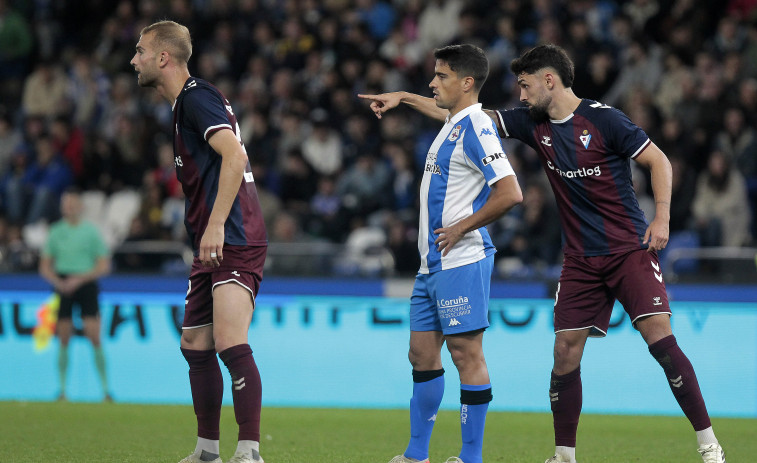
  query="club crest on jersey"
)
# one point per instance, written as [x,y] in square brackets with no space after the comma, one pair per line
[455,133]
[585,138]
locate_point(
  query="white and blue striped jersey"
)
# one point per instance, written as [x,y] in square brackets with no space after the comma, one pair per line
[464,159]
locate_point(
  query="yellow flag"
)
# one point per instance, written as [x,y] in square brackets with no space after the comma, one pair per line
[47,317]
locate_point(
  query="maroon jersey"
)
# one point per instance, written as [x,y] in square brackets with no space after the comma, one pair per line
[586,158]
[200,111]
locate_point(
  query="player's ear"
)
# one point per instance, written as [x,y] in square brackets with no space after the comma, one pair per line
[468,84]
[549,80]
[163,58]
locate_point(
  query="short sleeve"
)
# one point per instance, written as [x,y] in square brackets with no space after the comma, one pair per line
[623,136]
[48,250]
[515,123]
[483,148]
[100,249]
[204,111]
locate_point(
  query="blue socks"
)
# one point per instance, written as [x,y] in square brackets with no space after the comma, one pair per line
[474,403]
[428,390]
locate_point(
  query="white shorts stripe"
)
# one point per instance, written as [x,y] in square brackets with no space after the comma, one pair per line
[193,327]
[232,280]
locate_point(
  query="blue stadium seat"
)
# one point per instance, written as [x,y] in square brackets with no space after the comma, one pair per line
[681,240]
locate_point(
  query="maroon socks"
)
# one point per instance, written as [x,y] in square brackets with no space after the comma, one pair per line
[565,395]
[207,390]
[246,389]
[682,380]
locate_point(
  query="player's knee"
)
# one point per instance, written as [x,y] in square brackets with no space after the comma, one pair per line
[417,359]
[567,356]
[187,337]
[466,358]
[196,339]
[654,328]
[423,360]
[224,338]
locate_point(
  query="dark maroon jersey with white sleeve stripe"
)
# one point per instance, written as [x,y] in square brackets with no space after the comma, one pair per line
[200,111]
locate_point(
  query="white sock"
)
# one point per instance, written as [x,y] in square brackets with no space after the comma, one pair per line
[247,446]
[706,436]
[566,452]
[210,446]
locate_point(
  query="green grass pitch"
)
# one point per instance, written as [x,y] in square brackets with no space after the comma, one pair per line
[36,432]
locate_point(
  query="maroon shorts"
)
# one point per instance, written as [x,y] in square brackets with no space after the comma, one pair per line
[589,286]
[242,265]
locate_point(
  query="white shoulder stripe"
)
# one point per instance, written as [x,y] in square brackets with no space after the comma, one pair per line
[502,123]
[641,148]
[214,127]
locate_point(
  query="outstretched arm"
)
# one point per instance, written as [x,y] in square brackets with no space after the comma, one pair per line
[383,102]
[654,159]
[497,122]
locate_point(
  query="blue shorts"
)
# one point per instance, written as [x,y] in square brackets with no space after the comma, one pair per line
[452,301]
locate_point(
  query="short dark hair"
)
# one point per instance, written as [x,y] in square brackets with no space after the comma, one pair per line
[545,56]
[467,61]
[171,36]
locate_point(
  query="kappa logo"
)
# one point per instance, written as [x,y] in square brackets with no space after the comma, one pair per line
[545,140]
[455,133]
[485,131]
[177,160]
[454,322]
[235,273]
[657,273]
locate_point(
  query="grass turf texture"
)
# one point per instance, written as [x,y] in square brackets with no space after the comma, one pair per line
[85,432]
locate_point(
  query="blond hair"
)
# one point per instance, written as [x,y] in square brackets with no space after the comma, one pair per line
[172,37]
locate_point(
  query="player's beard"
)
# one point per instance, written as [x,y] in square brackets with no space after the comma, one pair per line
[144,79]
[538,111]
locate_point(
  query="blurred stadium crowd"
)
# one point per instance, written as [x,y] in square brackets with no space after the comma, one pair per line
[331,176]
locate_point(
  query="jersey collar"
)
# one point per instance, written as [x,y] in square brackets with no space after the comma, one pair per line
[183,89]
[464,113]
[570,116]
[561,121]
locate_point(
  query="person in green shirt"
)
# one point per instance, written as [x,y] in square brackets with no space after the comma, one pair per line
[74,258]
